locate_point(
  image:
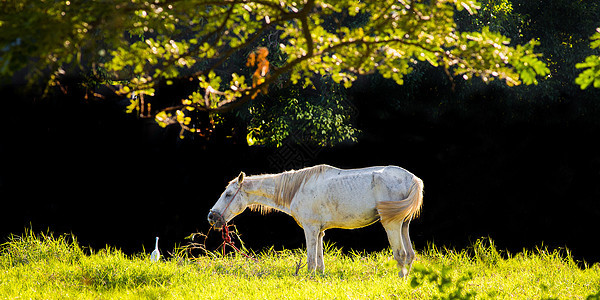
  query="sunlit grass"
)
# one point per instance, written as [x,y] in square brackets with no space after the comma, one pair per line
[45,266]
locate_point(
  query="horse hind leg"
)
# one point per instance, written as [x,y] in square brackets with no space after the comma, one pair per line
[410,252]
[394,233]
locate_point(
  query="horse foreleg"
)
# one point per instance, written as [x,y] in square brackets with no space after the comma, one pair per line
[311,235]
[320,262]
[394,233]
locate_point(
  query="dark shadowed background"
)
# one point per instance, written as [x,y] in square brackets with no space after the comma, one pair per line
[524,173]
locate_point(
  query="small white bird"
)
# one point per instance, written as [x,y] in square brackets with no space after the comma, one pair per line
[155,256]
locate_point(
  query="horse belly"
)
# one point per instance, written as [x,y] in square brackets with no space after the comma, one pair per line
[342,204]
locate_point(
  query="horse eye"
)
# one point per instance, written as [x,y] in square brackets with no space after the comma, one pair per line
[227,194]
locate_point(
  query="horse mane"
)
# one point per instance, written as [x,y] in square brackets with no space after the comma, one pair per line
[288,184]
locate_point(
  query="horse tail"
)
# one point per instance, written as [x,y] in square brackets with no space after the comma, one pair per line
[403,210]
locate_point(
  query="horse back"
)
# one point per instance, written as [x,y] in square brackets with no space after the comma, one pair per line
[348,198]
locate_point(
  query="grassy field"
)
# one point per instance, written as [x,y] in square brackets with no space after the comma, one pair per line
[49,267]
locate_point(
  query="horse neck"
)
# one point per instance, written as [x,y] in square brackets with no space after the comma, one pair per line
[261,190]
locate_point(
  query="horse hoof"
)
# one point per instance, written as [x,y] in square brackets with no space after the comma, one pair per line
[403,273]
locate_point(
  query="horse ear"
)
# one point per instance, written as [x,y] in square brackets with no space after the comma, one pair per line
[240,178]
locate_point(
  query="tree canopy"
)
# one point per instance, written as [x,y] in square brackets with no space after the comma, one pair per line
[591,66]
[234,50]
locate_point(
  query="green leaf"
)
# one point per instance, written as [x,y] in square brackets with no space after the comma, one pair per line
[133,105]
[414,282]
[595,39]
[590,74]
[585,79]
[170,26]
[470,6]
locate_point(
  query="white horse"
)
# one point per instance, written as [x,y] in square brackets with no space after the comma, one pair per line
[323,197]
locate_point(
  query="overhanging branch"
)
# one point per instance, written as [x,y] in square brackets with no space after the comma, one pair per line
[248,93]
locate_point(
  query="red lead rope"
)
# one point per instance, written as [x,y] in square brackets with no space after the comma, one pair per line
[225,230]
[227,241]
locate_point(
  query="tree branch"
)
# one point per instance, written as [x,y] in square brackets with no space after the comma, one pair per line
[307,36]
[248,93]
[303,16]
[229,52]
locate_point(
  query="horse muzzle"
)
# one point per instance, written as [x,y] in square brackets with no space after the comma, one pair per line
[215,219]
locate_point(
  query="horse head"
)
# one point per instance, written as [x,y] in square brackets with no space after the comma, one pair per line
[232,202]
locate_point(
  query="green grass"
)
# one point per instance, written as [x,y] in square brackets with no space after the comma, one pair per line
[45,266]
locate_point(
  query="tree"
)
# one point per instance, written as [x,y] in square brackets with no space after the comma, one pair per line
[137,45]
[591,67]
